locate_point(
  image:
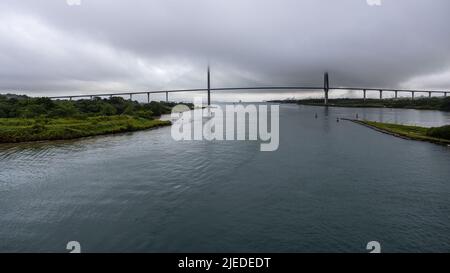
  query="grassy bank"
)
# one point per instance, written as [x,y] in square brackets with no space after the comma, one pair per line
[438,103]
[438,135]
[31,129]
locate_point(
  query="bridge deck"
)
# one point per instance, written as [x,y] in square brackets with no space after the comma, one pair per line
[250,88]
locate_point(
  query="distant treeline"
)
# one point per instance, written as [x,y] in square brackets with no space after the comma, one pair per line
[418,103]
[14,106]
[435,103]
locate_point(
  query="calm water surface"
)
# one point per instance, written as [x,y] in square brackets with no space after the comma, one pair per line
[330,187]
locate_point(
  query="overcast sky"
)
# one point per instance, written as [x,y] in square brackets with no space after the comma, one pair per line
[51,47]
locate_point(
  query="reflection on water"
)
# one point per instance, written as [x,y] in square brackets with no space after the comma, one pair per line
[330,187]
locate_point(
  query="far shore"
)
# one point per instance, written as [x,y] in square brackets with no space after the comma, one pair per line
[434,103]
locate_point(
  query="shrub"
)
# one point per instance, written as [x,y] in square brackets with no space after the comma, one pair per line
[445,106]
[439,132]
[38,126]
[147,114]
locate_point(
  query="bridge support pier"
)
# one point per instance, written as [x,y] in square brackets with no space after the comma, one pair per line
[445,94]
[364,95]
[429,94]
[412,95]
[326,87]
[167,96]
[148,97]
[131,96]
[381,94]
[396,94]
[209,86]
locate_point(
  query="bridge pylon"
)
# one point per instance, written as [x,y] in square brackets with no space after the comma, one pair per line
[326,87]
[209,86]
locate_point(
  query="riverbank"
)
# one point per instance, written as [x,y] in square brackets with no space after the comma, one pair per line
[14,130]
[437,103]
[24,119]
[438,135]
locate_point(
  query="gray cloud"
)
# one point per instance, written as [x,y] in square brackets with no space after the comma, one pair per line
[103,45]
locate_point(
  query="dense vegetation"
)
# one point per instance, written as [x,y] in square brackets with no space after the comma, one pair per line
[436,103]
[12,106]
[28,119]
[438,135]
[439,132]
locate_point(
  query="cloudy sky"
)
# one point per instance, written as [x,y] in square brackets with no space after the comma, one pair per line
[51,47]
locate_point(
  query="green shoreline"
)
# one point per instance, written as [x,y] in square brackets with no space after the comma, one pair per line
[435,103]
[405,131]
[28,119]
[18,130]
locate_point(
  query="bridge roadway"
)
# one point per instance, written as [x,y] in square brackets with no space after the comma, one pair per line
[326,88]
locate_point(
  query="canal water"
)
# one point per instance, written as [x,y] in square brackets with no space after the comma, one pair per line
[330,187]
